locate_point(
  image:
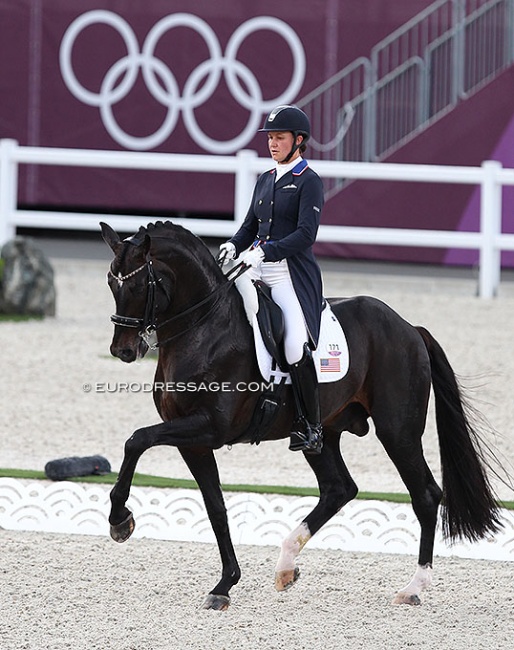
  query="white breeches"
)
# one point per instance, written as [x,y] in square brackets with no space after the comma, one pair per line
[276,276]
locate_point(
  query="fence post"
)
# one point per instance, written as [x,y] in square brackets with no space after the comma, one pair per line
[490,228]
[244,182]
[509,18]
[8,189]
[458,50]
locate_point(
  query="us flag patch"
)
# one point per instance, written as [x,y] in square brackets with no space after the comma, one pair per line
[330,365]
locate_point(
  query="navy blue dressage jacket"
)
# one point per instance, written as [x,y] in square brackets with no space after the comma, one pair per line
[285,217]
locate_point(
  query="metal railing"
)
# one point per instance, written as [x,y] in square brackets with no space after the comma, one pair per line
[412,78]
[245,166]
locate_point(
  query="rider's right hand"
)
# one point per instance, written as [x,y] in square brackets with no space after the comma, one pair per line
[227,252]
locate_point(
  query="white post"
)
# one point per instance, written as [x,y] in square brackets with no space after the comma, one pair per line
[490,228]
[8,189]
[244,182]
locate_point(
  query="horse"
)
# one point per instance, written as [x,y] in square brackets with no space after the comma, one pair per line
[167,285]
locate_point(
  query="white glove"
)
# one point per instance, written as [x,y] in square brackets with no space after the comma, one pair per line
[227,252]
[253,257]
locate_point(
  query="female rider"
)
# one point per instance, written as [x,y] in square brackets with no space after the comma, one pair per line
[279,231]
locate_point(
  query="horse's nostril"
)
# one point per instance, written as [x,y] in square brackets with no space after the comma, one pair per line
[125,354]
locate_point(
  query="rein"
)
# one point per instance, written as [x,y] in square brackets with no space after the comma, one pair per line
[148,325]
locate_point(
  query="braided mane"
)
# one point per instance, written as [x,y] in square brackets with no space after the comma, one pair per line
[163,229]
[180,238]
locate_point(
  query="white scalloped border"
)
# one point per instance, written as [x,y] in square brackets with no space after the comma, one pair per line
[255,519]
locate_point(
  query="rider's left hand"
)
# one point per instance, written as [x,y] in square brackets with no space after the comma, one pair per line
[254,257]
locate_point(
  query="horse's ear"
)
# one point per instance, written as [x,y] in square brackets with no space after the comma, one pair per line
[110,236]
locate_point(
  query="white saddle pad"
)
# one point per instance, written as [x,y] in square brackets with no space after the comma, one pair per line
[331,357]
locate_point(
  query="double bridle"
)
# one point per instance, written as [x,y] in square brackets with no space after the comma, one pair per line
[148,325]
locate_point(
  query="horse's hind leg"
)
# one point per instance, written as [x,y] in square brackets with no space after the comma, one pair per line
[403,445]
[336,488]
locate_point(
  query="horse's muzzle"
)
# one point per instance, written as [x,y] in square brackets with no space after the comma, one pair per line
[128,350]
[126,354]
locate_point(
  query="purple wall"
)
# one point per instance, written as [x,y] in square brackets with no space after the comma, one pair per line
[176,108]
[479,129]
[40,108]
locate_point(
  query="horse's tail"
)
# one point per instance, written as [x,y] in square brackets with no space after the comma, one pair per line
[470,509]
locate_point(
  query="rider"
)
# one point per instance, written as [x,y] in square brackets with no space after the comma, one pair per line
[279,230]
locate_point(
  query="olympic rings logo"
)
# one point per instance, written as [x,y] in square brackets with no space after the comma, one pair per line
[162,84]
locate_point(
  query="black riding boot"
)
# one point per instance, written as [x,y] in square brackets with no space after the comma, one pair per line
[307,434]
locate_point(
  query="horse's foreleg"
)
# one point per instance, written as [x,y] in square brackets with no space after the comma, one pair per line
[203,467]
[336,488]
[191,430]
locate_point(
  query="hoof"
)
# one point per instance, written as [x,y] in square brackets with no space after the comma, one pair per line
[217,602]
[286,579]
[406,599]
[121,532]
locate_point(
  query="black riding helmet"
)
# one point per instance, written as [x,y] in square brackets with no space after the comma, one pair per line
[289,118]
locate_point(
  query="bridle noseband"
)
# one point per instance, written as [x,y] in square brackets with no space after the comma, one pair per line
[148,326]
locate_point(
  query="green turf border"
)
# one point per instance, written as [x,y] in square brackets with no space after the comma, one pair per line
[19,318]
[147,480]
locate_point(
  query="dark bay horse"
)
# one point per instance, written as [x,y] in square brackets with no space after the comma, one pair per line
[165,280]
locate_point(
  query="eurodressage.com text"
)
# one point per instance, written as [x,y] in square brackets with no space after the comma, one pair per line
[177,387]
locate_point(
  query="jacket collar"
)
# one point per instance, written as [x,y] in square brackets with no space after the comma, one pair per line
[288,178]
[300,168]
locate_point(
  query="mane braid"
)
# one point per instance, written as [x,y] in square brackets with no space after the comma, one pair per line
[181,237]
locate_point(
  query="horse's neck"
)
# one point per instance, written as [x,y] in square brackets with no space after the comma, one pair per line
[230,311]
[196,277]
[194,282]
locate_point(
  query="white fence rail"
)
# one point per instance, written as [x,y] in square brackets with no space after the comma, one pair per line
[245,166]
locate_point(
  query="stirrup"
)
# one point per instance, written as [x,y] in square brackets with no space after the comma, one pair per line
[307,438]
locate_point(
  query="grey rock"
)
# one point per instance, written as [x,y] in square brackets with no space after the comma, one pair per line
[27,279]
